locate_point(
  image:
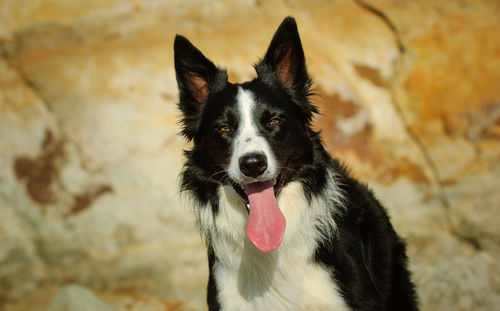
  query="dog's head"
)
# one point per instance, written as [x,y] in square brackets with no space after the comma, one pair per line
[254,136]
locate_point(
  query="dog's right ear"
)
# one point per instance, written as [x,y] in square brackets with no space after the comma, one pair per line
[285,59]
[197,77]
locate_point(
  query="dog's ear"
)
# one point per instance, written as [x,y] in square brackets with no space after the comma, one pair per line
[196,77]
[284,63]
[285,58]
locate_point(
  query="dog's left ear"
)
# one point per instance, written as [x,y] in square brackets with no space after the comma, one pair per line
[197,77]
[285,58]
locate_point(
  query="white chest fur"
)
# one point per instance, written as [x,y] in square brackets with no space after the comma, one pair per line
[298,286]
[284,279]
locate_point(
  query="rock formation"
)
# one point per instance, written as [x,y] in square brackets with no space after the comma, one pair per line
[90,154]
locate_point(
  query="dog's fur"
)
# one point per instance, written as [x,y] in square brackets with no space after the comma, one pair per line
[339,250]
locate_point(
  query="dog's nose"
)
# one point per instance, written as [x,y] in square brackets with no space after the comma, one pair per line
[253,164]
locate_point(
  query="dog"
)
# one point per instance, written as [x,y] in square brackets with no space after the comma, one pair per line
[286,227]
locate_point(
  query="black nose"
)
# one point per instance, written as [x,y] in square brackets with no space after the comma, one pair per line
[253,164]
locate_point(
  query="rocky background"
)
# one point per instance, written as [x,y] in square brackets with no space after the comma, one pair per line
[90,216]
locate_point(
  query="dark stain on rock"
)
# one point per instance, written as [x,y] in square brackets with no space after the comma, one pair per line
[371,74]
[85,200]
[112,36]
[485,123]
[402,167]
[167,97]
[334,109]
[475,125]
[39,173]
[47,140]
[384,166]
[5,289]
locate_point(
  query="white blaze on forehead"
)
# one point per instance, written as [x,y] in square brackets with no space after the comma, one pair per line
[249,139]
[248,132]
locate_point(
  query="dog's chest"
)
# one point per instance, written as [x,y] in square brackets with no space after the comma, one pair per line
[284,279]
[273,286]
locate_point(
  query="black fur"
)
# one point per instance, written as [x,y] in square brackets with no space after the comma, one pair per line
[367,258]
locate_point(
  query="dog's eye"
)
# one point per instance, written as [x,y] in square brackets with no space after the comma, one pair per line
[224,129]
[275,121]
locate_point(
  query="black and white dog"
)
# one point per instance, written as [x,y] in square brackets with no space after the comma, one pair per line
[285,226]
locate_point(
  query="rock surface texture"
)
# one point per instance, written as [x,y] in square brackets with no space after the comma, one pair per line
[90,154]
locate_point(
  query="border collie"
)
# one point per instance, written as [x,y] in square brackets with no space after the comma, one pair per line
[285,226]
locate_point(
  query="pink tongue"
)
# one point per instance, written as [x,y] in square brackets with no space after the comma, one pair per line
[266,224]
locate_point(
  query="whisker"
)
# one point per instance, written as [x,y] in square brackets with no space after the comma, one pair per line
[287,168]
[216,173]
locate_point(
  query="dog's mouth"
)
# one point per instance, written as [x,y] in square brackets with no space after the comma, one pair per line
[278,184]
[266,223]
